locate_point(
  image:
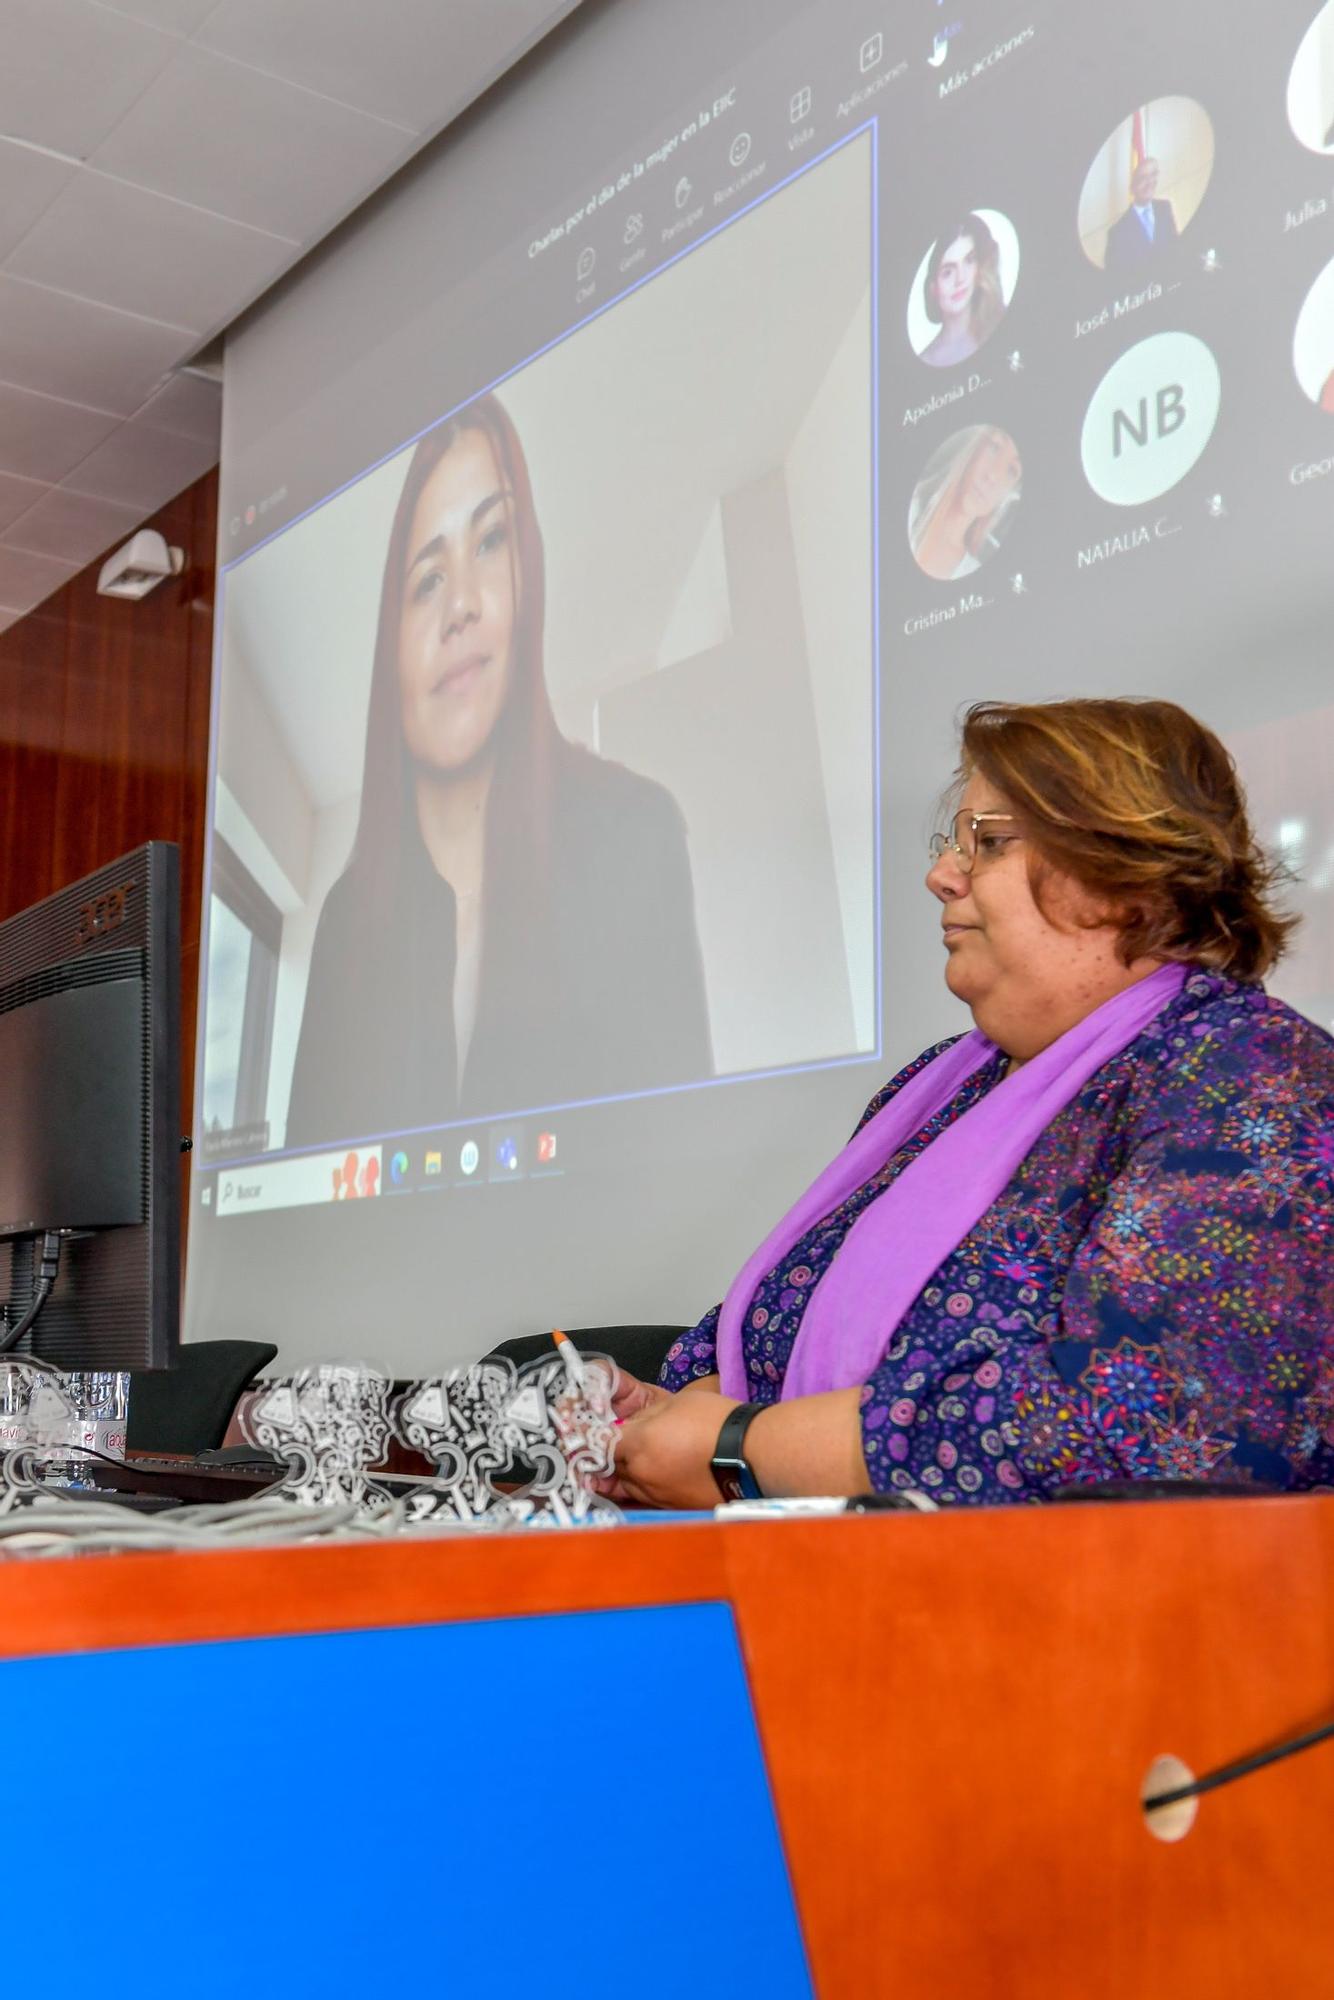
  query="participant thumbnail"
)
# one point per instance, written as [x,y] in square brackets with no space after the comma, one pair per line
[963,505]
[1150,418]
[1313,342]
[1144,187]
[1311,84]
[963,287]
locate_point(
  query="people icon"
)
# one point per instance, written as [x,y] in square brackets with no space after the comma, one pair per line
[1147,233]
[963,288]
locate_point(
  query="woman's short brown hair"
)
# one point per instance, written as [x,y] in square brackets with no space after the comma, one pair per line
[1141,805]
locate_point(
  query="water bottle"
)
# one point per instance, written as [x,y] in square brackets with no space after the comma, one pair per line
[101,1400]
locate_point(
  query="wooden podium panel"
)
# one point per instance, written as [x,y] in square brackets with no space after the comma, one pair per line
[956,1712]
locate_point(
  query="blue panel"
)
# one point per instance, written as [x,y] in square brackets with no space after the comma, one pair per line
[235,1818]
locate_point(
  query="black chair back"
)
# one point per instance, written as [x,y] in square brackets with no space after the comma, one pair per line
[188,1408]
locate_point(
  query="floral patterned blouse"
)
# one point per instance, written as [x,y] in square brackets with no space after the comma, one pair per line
[1151,1296]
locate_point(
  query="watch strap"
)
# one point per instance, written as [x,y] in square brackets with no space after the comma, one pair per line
[729,1465]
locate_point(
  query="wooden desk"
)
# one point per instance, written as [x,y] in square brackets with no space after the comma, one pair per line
[956,1713]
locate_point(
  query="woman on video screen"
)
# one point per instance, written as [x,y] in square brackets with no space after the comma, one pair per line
[960,503]
[516,926]
[961,292]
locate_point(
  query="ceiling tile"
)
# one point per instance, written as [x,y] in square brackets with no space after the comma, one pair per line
[29,183]
[41,438]
[71,71]
[143,467]
[70,347]
[17,495]
[175,17]
[188,404]
[126,247]
[262,151]
[25,580]
[408,73]
[73,526]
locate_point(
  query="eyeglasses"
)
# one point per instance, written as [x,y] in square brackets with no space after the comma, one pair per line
[969,841]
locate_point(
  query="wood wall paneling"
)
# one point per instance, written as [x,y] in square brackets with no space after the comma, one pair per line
[104,712]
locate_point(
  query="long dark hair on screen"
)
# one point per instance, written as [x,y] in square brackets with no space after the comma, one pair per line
[529,746]
[987,309]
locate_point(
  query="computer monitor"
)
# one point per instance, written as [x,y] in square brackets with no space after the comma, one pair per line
[90,1114]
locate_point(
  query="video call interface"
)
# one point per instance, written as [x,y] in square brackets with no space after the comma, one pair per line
[918,355]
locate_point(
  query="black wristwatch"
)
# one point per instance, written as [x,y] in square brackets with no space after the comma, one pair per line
[729,1466]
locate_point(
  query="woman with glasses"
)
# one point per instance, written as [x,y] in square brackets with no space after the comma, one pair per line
[1091,1241]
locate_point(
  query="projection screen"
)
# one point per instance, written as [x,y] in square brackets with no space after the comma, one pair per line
[595,614]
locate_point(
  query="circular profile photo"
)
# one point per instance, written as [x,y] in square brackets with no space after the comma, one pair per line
[1311,84]
[1313,342]
[964,504]
[1150,418]
[1141,193]
[963,287]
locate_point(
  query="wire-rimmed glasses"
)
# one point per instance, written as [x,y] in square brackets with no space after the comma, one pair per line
[968,840]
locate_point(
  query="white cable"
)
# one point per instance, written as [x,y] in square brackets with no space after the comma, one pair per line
[51,1526]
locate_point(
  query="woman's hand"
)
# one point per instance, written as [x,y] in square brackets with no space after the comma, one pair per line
[630,1397]
[664,1449]
[664,1452]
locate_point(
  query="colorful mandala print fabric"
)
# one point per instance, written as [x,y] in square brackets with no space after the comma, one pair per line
[1152,1296]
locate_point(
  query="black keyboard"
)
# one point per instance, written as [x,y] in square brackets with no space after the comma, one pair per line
[183,1481]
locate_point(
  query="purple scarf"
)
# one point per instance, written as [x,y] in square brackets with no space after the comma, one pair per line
[896,1244]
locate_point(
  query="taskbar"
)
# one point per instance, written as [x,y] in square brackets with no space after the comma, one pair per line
[489,1155]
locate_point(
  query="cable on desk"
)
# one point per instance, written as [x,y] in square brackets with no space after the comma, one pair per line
[40,1520]
[73,1526]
